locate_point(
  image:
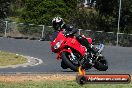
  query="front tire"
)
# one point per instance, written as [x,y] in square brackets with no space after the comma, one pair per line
[63,65]
[68,62]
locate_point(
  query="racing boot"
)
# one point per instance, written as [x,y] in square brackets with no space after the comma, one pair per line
[94,50]
[86,63]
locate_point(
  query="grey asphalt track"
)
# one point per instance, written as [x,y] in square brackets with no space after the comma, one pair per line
[119,58]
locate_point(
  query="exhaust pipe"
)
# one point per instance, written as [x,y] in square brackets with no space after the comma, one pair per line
[100,47]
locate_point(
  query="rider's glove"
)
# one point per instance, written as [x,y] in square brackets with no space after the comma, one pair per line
[67,34]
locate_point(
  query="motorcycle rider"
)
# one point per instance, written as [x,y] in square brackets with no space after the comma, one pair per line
[59,25]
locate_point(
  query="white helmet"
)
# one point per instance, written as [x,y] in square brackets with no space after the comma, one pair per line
[57,23]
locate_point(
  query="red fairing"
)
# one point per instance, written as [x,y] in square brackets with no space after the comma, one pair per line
[90,40]
[59,37]
[72,42]
[61,43]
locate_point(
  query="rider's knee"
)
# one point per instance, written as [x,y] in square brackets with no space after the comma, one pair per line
[79,38]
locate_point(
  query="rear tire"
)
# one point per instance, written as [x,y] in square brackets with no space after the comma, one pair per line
[101,64]
[66,60]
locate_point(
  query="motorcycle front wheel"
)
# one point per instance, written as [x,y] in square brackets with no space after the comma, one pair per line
[66,58]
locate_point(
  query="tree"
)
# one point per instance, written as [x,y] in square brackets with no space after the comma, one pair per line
[103,17]
[42,11]
[108,10]
[71,3]
[4,8]
[126,16]
[107,7]
[16,8]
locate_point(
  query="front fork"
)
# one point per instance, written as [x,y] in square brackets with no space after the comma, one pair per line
[64,50]
[72,55]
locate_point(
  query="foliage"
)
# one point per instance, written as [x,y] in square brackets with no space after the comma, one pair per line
[126,16]
[71,3]
[108,10]
[85,19]
[42,11]
[4,8]
[16,8]
[2,26]
[103,17]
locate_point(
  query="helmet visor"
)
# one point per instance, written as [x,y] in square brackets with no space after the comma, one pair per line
[56,26]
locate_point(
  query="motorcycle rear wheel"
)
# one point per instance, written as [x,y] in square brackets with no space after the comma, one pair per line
[68,62]
[101,64]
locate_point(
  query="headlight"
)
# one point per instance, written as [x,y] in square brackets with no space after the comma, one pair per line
[57,45]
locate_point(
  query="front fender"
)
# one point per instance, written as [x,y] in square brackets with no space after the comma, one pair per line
[67,50]
[64,50]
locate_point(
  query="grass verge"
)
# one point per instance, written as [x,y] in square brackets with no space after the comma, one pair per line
[59,84]
[50,81]
[11,59]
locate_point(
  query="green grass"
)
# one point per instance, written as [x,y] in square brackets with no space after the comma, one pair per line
[59,84]
[11,59]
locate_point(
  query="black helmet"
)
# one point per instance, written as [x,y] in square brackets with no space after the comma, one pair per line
[57,23]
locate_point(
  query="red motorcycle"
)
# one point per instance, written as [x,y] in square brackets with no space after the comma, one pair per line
[73,54]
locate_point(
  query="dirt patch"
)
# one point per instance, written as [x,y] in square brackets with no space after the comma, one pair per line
[36,77]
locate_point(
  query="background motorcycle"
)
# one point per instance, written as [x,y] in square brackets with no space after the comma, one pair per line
[73,54]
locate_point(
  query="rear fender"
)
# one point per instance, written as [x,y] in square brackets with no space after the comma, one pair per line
[90,40]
